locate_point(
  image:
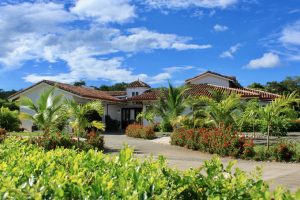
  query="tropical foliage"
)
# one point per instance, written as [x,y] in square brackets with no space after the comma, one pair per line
[278,110]
[44,111]
[29,172]
[9,120]
[171,104]
[78,116]
[219,112]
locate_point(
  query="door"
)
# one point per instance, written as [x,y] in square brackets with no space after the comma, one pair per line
[129,116]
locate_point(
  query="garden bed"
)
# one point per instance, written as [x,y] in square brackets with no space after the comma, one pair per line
[226,142]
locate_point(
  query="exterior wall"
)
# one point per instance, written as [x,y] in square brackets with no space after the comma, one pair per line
[34,95]
[140,90]
[211,79]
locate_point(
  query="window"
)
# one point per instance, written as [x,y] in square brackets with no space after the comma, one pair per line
[137,93]
[133,94]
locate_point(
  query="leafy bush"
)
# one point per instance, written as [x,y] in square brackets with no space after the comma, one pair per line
[53,141]
[140,131]
[69,174]
[222,141]
[294,126]
[282,151]
[9,120]
[166,126]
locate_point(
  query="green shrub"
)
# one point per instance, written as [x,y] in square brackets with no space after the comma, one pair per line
[165,126]
[53,141]
[140,131]
[9,120]
[29,172]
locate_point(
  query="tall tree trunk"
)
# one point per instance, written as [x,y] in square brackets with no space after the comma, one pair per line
[268,138]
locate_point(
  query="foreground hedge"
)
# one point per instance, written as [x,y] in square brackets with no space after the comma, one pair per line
[30,172]
[140,131]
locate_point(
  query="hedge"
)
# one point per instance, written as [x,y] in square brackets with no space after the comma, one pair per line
[30,172]
[140,131]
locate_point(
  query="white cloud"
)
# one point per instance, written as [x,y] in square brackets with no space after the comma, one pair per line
[183,4]
[178,69]
[41,32]
[105,11]
[268,60]
[230,52]
[220,28]
[291,34]
[143,39]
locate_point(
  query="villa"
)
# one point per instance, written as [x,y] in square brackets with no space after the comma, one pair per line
[124,106]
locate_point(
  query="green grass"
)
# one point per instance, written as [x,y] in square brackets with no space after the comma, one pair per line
[27,134]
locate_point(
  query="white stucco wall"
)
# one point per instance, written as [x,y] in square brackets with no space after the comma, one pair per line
[34,94]
[211,79]
[140,90]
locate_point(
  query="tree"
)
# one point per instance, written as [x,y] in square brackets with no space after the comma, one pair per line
[250,114]
[257,86]
[9,119]
[278,109]
[223,113]
[116,87]
[80,83]
[45,110]
[170,105]
[5,94]
[78,116]
[10,105]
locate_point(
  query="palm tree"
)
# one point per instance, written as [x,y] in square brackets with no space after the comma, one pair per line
[279,108]
[250,115]
[78,113]
[222,113]
[171,104]
[45,109]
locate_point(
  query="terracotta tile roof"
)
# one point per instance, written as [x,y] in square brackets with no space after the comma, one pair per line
[138,83]
[77,90]
[116,93]
[232,79]
[204,89]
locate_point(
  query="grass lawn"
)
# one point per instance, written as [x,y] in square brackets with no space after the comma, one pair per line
[27,134]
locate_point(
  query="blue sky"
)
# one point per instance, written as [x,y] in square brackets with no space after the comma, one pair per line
[109,41]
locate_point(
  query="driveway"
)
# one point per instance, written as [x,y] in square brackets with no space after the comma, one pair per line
[286,174]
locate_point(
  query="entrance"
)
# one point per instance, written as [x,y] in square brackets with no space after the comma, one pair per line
[129,116]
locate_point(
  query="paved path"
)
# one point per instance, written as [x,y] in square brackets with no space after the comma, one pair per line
[286,174]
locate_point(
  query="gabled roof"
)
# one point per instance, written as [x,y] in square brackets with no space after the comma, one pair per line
[232,79]
[138,83]
[84,92]
[205,90]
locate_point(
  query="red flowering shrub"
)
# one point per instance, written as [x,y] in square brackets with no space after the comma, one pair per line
[283,152]
[222,141]
[140,131]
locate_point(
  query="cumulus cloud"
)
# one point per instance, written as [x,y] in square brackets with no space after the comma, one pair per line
[268,60]
[45,32]
[183,4]
[220,28]
[104,11]
[230,52]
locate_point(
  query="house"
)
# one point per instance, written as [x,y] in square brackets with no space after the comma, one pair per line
[124,106]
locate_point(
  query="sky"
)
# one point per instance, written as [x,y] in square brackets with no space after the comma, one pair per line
[111,41]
